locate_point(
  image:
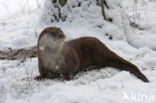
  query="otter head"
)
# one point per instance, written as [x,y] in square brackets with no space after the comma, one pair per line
[51,37]
[54,33]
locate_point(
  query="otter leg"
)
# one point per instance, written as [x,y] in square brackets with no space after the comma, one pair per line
[45,73]
[68,76]
[42,70]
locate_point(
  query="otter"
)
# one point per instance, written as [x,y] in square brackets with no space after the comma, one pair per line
[60,59]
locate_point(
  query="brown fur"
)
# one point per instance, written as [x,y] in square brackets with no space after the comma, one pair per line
[81,53]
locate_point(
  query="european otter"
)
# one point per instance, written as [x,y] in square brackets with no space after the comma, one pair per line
[57,58]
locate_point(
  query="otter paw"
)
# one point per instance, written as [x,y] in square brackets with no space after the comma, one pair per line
[39,77]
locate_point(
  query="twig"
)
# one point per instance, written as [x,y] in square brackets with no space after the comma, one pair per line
[103,11]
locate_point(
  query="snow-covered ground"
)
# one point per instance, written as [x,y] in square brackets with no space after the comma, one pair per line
[108,85]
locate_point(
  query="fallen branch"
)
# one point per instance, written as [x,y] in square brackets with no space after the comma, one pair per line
[18,54]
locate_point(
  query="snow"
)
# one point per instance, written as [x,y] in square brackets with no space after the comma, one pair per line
[107,85]
[144,18]
[10,7]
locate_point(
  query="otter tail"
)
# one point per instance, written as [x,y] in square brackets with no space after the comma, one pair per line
[123,64]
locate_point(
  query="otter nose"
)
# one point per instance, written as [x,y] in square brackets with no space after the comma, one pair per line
[61,35]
